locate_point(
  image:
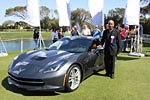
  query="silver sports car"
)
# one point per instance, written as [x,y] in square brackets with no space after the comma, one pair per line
[62,66]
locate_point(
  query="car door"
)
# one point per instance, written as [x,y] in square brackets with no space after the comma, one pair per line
[100,57]
[96,55]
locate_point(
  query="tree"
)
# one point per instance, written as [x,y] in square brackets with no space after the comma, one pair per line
[53,14]
[45,22]
[44,12]
[44,15]
[145,10]
[54,24]
[9,24]
[18,11]
[116,14]
[81,16]
[22,24]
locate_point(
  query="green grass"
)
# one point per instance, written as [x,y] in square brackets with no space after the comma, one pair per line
[131,83]
[25,35]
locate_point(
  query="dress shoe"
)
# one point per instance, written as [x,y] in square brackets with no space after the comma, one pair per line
[112,76]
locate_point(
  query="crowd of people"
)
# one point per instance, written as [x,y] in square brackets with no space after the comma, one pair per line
[128,35]
[113,39]
[73,31]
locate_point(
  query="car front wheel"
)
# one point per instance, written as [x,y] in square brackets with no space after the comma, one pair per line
[73,78]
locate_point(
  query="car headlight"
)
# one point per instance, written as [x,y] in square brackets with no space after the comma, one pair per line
[51,67]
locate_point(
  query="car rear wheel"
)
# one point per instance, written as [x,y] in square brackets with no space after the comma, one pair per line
[73,78]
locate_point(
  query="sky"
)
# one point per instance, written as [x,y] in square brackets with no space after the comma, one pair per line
[51,4]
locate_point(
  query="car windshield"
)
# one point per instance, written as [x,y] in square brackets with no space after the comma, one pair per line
[76,45]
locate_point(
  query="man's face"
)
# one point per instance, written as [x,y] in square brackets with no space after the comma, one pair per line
[111,25]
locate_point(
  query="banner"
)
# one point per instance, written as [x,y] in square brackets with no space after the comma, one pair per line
[132,12]
[96,10]
[33,14]
[63,8]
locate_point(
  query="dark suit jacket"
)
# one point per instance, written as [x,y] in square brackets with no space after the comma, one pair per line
[112,42]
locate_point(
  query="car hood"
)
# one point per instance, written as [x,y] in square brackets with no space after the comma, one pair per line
[43,57]
[31,62]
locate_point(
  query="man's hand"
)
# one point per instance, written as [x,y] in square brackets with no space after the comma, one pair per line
[99,46]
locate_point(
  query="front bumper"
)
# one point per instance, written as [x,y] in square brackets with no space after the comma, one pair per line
[53,82]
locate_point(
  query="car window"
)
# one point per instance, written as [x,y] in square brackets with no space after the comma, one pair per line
[75,45]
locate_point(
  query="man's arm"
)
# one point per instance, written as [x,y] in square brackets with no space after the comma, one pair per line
[118,42]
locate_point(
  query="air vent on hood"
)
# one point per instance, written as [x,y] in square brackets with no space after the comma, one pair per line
[38,58]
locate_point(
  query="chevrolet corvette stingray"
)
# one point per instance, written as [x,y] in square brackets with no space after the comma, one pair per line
[61,66]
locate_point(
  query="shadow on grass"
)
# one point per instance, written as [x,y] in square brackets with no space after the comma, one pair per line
[147,50]
[99,74]
[146,44]
[25,92]
[126,58]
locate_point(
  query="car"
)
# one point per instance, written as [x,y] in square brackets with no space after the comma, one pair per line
[60,67]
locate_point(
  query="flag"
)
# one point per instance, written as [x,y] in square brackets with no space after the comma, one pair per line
[96,10]
[132,12]
[63,8]
[33,14]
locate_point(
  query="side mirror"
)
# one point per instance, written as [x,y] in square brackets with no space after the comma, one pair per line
[99,51]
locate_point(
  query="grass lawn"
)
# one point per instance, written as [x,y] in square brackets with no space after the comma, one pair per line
[25,35]
[132,82]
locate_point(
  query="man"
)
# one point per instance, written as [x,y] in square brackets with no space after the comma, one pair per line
[36,37]
[74,31]
[119,28]
[111,38]
[96,33]
[54,35]
[124,37]
[60,33]
[86,31]
[140,38]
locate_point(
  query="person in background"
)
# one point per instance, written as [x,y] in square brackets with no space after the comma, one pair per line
[60,33]
[111,38]
[132,36]
[118,27]
[54,35]
[67,32]
[124,37]
[36,37]
[74,31]
[140,38]
[104,28]
[96,33]
[86,31]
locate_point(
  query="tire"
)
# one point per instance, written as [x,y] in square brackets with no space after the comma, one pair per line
[73,79]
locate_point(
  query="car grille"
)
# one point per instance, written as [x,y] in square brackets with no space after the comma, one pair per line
[26,81]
